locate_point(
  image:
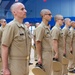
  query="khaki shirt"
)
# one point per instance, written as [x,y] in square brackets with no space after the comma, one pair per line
[29,39]
[0,39]
[1,29]
[72,32]
[34,35]
[73,38]
[57,34]
[43,34]
[67,35]
[15,36]
[34,32]
[0,34]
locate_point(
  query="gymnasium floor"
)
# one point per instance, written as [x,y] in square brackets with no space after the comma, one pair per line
[32,61]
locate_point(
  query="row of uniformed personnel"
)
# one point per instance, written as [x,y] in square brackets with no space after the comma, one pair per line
[55,44]
[15,42]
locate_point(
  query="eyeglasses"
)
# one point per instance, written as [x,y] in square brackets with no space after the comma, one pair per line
[48,14]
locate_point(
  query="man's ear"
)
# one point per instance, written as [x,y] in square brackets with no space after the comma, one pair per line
[14,12]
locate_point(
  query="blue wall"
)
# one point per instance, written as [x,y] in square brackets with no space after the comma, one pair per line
[64,7]
[33,7]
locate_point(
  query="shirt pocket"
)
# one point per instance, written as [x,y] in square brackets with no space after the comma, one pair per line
[47,34]
[61,34]
[21,36]
[69,34]
[29,35]
[74,34]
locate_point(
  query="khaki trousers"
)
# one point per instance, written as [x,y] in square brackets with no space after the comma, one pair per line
[72,60]
[47,62]
[60,60]
[35,52]
[64,67]
[19,67]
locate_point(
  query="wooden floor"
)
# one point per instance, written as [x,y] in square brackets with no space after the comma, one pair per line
[32,66]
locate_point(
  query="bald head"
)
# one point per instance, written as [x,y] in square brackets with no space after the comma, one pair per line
[37,24]
[73,24]
[72,21]
[18,10]
[67,19]
[2,20]
[44,11]
[26,23]
[57,17]
[15,6]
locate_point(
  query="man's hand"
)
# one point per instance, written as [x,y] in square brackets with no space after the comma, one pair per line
[64,55]
[71,52]
[6,72]
[56,55]
[40,60]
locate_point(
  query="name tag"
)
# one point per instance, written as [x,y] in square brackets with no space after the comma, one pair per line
[47,32]
[21,33]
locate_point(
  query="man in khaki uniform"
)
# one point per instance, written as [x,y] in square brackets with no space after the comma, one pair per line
[34,37]
[0,30]
[57,40]
[66,42]
[3,24]
[0,35]
[71,65]
[15,43]
[27,25]
[43,42]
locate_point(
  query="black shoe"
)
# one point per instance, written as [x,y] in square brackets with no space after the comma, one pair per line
[1,72]
[35,59]
[30,63]
[65,74]
[72,71]
[39,65]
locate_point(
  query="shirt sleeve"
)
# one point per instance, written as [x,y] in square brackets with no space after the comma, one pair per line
[8,35]
[55,34]
[65,32]
[39,33]
[34,32]
[0,34]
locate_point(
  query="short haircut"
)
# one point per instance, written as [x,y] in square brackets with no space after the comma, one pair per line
[67,19]
[58,16]
[14,6]
[26,23]
[72,22]
[43,12]
[37,23]
[2,20]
